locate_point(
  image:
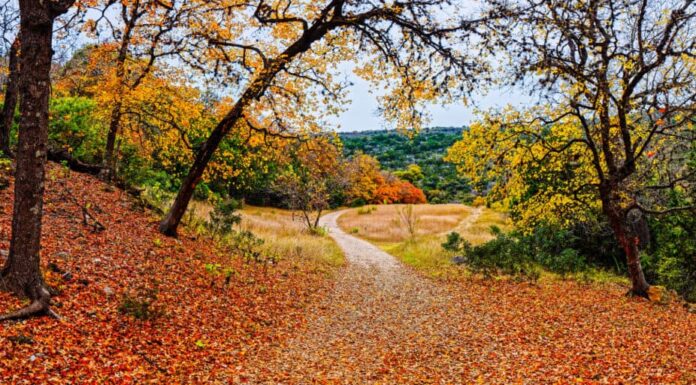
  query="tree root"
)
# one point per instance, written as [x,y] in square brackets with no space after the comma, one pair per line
[632,294]
[36,308]
[39,306]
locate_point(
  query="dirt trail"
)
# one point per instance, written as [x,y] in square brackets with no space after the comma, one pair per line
[384,324]
[465,225]
[378,311]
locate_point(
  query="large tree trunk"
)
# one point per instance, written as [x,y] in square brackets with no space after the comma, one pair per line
[171,221]
[630,243]
[22,272]
[11,90]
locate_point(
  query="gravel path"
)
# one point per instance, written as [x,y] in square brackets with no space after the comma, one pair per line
[384,324]
[377,312]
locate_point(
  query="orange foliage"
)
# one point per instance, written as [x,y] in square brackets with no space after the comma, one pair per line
[369,184]
[395,190]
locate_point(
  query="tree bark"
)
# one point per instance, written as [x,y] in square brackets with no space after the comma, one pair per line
[22,271]
[171,221]
[255,90]
[109,166]
[630,242]
[11,91]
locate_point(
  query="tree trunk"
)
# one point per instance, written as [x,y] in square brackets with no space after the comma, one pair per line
[115,121]
[253,91]
[8,108]
[109,165]
[171,221]
[630,242]
[22,271]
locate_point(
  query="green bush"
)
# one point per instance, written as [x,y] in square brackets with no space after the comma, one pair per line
[520,254]
[74,127]
[456,244]
[224,216]
[672,259]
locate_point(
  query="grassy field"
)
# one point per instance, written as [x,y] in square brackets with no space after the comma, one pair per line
[382,223]
[286,236]
[384,227]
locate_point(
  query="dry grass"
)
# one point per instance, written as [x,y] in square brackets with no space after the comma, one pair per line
[480,230]
[424,253]
[384,224]
[286,236]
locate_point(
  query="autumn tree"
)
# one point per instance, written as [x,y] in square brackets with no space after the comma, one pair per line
[312,178]
[22,272]
[139,33]
[618,78]
[364,178]
[281,53]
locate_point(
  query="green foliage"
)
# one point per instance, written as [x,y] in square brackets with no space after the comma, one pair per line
[398,153]
[672,259]
[521,254]
[74,127]
[412,173]
[216,269]
[365,210]
[455,243]
[502,255]
[248,246]
[224,216]
[319,231]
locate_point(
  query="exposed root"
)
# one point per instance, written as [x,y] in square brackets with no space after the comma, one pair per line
[36,308]
[633,293]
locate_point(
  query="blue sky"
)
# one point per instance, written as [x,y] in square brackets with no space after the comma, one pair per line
[362,114]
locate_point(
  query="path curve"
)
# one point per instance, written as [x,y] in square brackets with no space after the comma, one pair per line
[378,312]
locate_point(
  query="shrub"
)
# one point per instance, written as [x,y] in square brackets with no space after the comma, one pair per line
[73,126]
[248,246]
[672,259]
[366,210]
[456,244]
[224,216]
[518,254]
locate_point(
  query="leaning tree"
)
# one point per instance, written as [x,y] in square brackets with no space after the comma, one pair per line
[280,60]
[22,272]
[620,76]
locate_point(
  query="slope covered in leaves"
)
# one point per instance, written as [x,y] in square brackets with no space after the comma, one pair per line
[200,331]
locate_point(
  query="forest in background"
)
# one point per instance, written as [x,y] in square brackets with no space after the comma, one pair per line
[397,151]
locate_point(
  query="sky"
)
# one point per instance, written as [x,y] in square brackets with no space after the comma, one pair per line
[362,115]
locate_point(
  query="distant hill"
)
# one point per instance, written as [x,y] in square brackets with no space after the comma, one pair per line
[395,151]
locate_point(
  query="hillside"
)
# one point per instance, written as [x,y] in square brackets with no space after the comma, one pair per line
[138,307]
[395,151]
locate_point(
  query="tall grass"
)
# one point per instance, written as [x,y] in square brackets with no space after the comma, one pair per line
[385,225]
[285,235]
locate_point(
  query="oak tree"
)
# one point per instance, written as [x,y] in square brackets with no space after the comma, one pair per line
[22,272]
[281,53]
[617,85]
